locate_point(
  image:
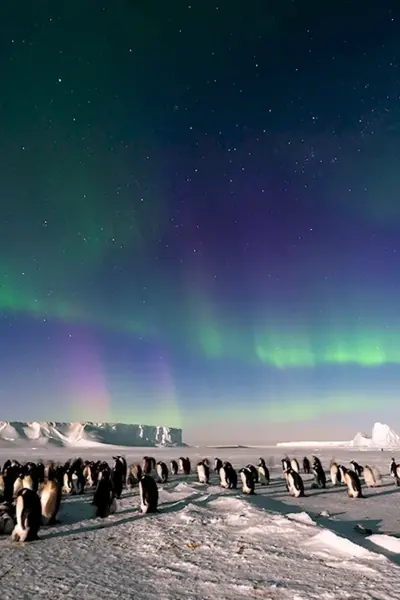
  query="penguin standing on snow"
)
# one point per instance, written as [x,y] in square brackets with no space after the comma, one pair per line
[263,473]
[28,516]
[123,468]
[203,472]
[248,482]
[393,468]
[146,465]
[7,518]
[148,492]
[372,476]
[306,466]
[217,465]
[228,476]
[294,463]
[118,475]
[104,499]
[357,468]
[285,464]
[335,474]
[319,474]
[352,480]
[162,471]
[253,471]
[295,485]
[50,500]
[173,467]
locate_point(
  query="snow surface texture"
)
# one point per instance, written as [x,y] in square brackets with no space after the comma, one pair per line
[87,434]
[213,544]
[382,437]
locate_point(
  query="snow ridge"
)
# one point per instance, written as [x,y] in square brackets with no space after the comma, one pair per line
[382,437]
[87,434]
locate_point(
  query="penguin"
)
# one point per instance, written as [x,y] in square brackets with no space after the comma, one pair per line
[306,466]
[173,466]
[146,465]
[162,471]
[393,468]
[397,475]
[263,473]
[248,481]
[148,492]
[203,472]
[294,463]
[88,474]
[184,465]
[295,483]
[28,516]
[285,463]
[253,471]
[228,476]
[118,476]
[335,474]
[76,479]
[7,519]
[319,475]
[205,461]
[104,498]
[372,476]
[217,464]
[27,482]
[50,500]
[124,467]
[357,468]
[18,484]
[31,471]
[352,480]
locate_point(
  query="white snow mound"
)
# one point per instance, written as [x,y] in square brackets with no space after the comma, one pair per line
[87,434]
[382,437]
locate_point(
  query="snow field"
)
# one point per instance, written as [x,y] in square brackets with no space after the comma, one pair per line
[209,543]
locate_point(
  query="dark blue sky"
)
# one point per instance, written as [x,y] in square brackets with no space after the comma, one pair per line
[200,215]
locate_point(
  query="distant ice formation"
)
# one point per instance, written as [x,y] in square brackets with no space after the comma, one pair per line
[382,437]
[87,434]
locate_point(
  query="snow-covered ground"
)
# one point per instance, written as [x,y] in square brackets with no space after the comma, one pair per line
[209,543]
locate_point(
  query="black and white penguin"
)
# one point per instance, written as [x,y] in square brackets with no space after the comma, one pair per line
[146,465]
[248,481]
[76,479]
[104,498]
[228,476]
[294,463]
[136,472]
[253,471]
[32,476]
[18,484]
[205,461]
[148,492]
[319,474]
[50,500]
[352,480]
[7,518]
[295,483]
[393,468]
[28,512]
[263,473]
[357,468]
[174,467]
[118,476]
[162,471]
[217,464]
[124,469]
[203,472]
[184,465]
[306,466]
[335,474]
[372,476]
[285,464]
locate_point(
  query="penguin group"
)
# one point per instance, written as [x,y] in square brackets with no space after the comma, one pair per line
[31,493]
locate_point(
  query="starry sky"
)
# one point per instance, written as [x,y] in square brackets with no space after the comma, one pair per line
[200,216]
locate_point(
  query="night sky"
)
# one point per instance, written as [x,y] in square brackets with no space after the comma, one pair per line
[200,215]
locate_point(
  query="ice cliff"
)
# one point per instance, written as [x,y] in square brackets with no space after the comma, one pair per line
[87,434]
